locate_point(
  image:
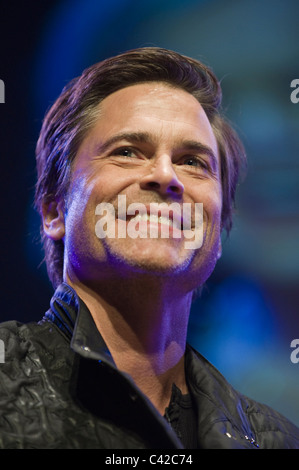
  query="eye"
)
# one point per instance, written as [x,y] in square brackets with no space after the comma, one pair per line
[196,162]
[125,152]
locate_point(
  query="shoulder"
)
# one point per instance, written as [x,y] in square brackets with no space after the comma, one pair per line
[36,365]
[20,338]
[26,348]
[12,345]
[270,429]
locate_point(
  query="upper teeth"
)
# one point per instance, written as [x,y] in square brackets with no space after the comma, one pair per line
[157,219]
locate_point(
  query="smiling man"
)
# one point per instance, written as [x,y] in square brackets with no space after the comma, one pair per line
[130,144]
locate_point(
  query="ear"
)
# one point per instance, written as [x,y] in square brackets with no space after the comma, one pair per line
[53,220]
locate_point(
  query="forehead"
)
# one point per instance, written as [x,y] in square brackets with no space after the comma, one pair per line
[152,94]
[166,112]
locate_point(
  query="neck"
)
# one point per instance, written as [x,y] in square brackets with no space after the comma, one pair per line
[144,325]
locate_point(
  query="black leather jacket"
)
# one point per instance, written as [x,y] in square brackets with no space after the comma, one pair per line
[59,388]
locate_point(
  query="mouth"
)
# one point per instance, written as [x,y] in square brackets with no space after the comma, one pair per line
[154,214]
[153,220]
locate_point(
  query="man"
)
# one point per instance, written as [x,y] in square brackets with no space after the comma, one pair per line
[134,148]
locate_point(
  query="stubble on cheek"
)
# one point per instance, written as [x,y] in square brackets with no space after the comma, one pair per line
[79,222]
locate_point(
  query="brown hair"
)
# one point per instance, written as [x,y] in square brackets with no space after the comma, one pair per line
[76,109]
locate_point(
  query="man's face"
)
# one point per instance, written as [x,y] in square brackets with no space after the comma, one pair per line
[151,143]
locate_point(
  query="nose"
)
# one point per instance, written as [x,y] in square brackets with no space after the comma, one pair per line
[163,178]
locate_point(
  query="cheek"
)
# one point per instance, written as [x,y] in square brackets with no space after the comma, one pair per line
[87,190]
[79,216]
[77,200]
[210,195]
[214,208]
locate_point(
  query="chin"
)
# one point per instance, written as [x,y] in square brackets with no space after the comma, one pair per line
[160,259]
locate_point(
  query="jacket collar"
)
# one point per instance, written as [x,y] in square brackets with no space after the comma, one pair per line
[71,315]
[212,395]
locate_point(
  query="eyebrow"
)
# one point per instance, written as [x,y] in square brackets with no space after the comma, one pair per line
[146,138]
